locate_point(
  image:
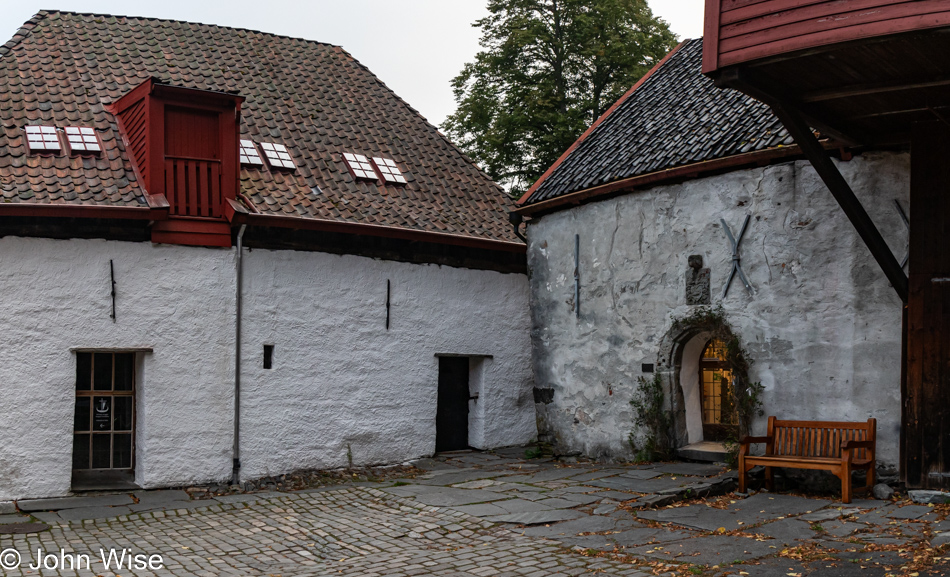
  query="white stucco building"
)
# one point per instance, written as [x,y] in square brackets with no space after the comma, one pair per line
[223,267]
[640,206]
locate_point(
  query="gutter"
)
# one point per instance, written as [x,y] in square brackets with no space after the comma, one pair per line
[236,449]
[695,170]
[157,210]
[236,213]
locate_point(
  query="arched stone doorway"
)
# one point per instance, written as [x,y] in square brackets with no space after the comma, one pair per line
[692,366]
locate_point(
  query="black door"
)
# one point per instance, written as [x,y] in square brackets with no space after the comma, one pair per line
[451,417]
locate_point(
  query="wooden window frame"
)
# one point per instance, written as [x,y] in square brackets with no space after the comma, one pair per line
[112,394]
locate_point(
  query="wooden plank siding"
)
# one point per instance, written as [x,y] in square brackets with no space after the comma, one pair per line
[739,31]
[925,439]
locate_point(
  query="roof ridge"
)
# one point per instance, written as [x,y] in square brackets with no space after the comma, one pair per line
[22,32]
[155,19]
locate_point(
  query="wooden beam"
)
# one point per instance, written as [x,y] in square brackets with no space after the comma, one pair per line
[762,90]
[842,192]
[870,88]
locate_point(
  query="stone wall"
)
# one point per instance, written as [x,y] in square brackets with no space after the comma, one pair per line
[823,326]
[342,387]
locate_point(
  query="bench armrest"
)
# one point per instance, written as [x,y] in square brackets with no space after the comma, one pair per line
[744,443]
[749,440]
[849,445]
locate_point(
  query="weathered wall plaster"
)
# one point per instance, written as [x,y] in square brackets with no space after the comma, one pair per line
[340,380]
[824,327]
[56,296]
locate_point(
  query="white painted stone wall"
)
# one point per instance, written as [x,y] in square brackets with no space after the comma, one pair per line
[340,381]
[56,296]
[824,327]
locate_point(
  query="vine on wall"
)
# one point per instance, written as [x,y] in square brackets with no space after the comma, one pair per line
[652,420]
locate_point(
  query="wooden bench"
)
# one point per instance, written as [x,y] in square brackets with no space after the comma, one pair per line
[836,446]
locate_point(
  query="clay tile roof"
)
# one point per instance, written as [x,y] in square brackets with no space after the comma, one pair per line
[63,68]
[674,118]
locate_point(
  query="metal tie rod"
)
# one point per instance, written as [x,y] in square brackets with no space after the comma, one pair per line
[736,266]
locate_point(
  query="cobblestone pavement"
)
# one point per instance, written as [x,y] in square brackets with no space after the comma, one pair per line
[486,514]
[357,531]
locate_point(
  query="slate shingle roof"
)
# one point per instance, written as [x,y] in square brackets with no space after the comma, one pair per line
[676,117]
[62,68]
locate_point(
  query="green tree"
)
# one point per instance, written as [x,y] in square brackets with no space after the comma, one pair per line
[547,70]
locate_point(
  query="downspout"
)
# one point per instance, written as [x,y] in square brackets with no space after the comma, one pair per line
[236,450]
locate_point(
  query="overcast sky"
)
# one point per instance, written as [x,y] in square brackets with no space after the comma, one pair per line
[415,46]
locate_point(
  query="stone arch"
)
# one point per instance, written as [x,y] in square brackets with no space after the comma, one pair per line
[678,362]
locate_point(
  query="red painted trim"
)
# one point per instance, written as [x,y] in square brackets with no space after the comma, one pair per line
[597,123]
[248,203]
[695,170]
[192,232]
[729,5]
[768,15]
[82,211]
[711,25]
[192,238]
[816,19]
[270,220]
[863,30]
[131,97]
[113,110]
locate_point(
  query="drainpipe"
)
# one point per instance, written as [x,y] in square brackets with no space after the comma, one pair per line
[236,451]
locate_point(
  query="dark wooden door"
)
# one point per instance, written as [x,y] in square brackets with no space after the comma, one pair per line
[925,433]
[451,418]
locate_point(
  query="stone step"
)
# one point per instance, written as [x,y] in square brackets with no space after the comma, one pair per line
[705,451]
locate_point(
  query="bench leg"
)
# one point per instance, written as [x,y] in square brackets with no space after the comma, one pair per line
[869,483]
[846,484]
[769,479]
[742,472]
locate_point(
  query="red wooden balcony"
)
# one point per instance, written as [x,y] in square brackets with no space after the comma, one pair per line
[860,70]
[739,31]
[184,145]
[193,187]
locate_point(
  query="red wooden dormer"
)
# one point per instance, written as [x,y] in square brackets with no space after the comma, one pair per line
[184,146]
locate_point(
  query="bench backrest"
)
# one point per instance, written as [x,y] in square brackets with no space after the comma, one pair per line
[818,438]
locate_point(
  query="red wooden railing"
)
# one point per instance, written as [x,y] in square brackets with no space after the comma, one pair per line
[193,186]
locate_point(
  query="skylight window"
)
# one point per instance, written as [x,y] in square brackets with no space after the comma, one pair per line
[277,155]
[82,139]
[387,167]
[249,154]
[41,138]
[359,165]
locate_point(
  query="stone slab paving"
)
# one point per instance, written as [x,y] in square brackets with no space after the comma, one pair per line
[691,469]
[640,485]
[708,550]
[536,517]
[31,505]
